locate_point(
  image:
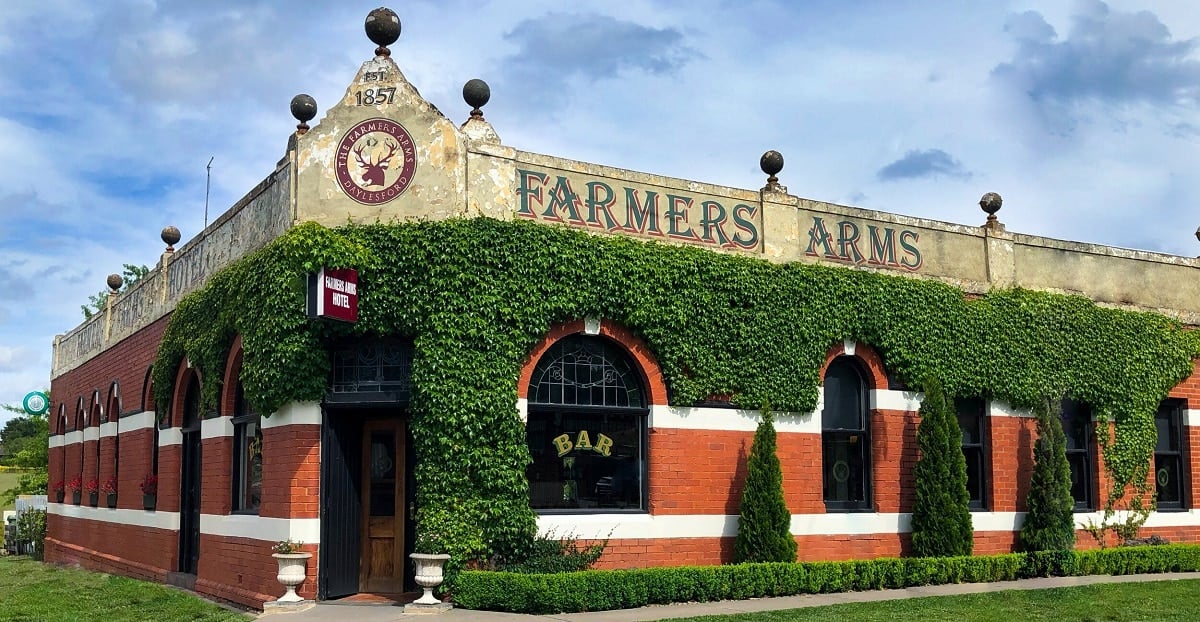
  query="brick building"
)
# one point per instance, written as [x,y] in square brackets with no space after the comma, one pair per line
[613,453]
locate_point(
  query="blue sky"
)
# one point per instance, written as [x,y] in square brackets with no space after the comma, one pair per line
[1084,115]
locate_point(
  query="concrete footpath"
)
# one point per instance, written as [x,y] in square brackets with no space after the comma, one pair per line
[333,612]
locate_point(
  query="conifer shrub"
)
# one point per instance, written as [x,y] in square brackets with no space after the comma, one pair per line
[1050,521]
[764,527]
[941,521]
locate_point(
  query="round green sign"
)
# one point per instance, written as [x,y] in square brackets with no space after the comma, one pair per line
[36,403]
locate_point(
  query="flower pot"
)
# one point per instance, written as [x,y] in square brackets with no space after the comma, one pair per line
[111,500]
[93,499]
[76,496]
[148,501]
[59,496]
[292,571]
[430,570]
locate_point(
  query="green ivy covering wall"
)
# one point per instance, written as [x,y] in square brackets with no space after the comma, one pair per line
[475,296]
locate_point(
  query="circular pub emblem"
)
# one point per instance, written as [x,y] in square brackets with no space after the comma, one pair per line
[375,162]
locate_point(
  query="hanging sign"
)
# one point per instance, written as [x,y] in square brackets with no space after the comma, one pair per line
[333,294]
[36,403]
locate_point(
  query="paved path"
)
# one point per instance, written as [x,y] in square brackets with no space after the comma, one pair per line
[331,612]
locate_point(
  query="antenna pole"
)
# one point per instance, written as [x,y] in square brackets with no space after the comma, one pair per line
[207,185]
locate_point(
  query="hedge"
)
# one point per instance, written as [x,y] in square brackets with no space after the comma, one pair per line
[598,590]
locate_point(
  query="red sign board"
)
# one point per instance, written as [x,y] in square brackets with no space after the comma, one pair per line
[333,294]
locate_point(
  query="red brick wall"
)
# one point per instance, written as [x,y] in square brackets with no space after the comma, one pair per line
[291,471]
[242,570]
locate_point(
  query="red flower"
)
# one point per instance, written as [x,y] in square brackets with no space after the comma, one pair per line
[58,486]
[93,485]
[76,483]
[149,484]
[110,486]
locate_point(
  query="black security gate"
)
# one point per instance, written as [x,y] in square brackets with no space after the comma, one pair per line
[189,484]
[340,506]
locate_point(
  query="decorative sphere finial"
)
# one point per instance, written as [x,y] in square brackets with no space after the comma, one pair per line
[476,93]
[115,282]
[771,163]
[304,108]
[170,235]
[991,203]
[1198,233]
[383,28]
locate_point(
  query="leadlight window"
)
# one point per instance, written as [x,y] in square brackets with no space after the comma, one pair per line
[845,437]
[247,456]
[380,368]
[587,429]
[1168,455]
[1077,427]
[974,447]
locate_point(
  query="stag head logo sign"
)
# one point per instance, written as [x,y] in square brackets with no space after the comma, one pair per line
[375,161]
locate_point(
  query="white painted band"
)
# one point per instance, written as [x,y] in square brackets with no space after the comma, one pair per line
[306,530]
[997,408]
[91,433]
[217,427]
[57,440]
[886,399]
[170,436]
[727,419]
[108,429]
[294,413]
[523,410]
[72,438]
[1191,417]
[141,421]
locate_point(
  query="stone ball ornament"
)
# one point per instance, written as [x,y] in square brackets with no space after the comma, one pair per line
[115,282]
[304,107]
[476,93]
[170,235]
[991,203]
[771,162]
[383,29]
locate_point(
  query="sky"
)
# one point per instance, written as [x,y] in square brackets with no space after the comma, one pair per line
[1083,114]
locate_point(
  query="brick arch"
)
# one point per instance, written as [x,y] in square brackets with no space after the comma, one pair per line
[61,420]
[183,378]
[633,346]
[233,369]
[148,390]
[80,414]
[866,356]
[96,407]
[114,400]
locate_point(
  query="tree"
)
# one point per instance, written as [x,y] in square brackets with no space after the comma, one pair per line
[1050,521]
[30,451]
[941,521]
[131,273]
[764,527]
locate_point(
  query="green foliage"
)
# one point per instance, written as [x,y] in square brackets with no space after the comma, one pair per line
[599,590]
[31,528]
[27,439]
[941,521]
[131,274]
[1050,522]
[549,554]
[475,295]
[764,524]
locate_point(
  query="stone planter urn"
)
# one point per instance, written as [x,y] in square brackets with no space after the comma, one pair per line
[292,572]
[430,570]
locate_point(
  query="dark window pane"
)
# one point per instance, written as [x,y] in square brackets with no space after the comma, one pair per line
[845,469]
[585,461]
[383,474]
[975,476]
[970,420]
[1167,423]
[844,393]
[1168,480]
[1080,479]
[586,371]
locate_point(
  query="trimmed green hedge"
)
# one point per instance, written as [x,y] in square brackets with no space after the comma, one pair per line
[598,590]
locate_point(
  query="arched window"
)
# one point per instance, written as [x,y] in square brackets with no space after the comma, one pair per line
[587,428]
[846,437]
[247,455]
[1077,428]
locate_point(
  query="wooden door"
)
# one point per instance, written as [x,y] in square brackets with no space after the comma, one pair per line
[381,565]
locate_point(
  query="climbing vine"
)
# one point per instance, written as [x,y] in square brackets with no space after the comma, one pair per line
[476,295]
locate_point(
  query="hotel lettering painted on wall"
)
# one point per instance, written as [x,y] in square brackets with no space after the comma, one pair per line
[613,206]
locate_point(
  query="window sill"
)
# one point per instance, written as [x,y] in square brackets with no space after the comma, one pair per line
[850,511]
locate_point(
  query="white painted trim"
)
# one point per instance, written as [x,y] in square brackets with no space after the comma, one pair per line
[90,434]
[294,413]
[141,421]
[135,518]
[108,429]
[73,437]
[997,521]
[306,530]
[1191,417]
[57,440]
[849,346]
[728,419]
[887,399]
[997,408]
[217,427]
[523,410]
[170,436]
[637,526]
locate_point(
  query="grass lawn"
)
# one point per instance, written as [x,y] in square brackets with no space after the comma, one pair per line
[1158,600]
[30,591]
[8,480]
